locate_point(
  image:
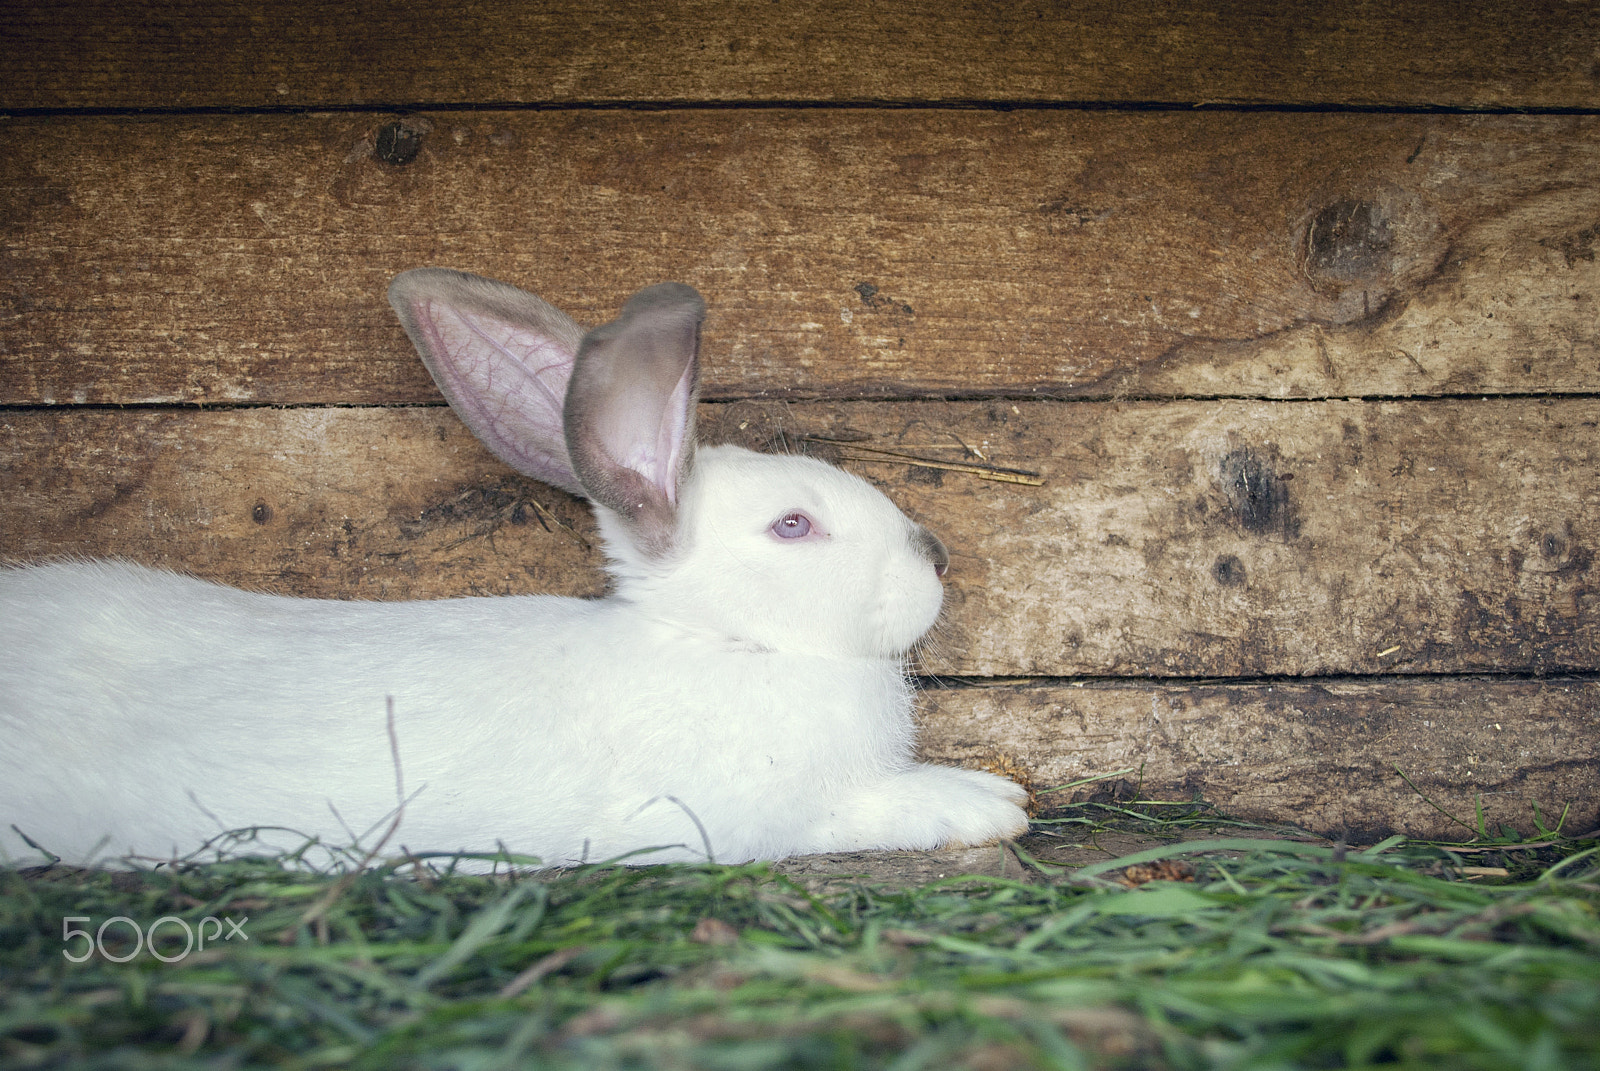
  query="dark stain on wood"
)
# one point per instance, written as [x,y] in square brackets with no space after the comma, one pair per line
[1258,494]
[1228,570]
[872,299]
[481,510]
[1575,247]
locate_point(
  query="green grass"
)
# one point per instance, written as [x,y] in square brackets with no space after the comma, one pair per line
[1277,954]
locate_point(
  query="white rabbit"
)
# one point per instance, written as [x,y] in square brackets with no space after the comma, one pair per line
[741,693]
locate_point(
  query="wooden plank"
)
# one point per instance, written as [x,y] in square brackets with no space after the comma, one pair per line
[1186,539]
[394,503]
[1326,755]
[227,259]
[313,53]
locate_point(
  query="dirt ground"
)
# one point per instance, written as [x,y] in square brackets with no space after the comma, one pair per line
[905,868]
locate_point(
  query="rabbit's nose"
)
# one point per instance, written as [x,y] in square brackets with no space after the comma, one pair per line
[929,546]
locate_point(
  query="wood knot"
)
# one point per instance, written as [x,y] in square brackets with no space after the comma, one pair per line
[398,142]
[1360,253]
[1347,242]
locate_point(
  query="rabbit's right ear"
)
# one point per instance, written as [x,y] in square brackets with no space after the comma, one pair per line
[630,410]
[502,358]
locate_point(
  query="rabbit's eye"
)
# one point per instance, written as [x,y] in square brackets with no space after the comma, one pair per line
[792,526]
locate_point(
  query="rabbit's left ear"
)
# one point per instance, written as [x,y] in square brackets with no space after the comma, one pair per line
[630,410]
[501,357]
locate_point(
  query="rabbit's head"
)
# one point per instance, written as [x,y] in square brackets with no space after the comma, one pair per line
[766,552]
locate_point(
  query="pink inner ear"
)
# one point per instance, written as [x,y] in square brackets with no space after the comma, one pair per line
[643,427]
[506,381]
[662,464]
[630,409]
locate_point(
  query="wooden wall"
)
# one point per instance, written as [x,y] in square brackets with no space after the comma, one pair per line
[1292,310]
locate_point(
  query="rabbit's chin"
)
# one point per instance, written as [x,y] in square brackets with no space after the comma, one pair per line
[859,585]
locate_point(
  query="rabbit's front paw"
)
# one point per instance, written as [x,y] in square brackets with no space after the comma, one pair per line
[925,807]
[978,808]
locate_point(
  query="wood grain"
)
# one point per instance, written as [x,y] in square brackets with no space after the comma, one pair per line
[370,503]
[319,53]
[1325,755]
[1186,539]
[227,259]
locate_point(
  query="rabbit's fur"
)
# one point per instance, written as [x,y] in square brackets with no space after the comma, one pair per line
[739,694]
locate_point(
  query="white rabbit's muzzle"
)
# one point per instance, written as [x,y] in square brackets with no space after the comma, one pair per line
[911,592]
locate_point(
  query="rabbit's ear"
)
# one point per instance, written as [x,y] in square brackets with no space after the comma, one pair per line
[630,410]
[502,358]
